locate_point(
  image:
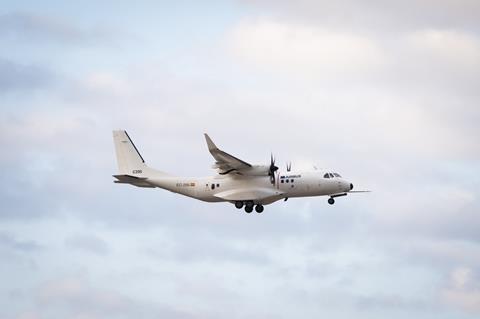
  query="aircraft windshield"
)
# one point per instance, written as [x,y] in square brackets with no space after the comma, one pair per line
[331,175]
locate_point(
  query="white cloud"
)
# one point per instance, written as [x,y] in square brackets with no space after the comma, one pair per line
[302,48]
[453,48]
[464,291]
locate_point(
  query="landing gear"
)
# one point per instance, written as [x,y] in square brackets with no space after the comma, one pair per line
[331,201]
[249,206]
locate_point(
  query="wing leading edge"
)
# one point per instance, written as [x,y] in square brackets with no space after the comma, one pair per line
[225,162]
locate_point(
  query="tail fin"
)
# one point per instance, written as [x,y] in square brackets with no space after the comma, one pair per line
[129,160]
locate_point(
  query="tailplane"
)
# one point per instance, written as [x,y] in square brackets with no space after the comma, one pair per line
[131,164]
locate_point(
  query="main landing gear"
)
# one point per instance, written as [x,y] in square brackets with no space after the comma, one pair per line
[259,208]
[249,205]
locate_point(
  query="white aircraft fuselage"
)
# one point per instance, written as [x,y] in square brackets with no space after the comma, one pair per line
[300,184]
[237,181]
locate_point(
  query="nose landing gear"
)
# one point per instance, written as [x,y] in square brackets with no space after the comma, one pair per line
[331,201]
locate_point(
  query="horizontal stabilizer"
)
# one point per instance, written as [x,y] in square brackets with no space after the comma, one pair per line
[133,180]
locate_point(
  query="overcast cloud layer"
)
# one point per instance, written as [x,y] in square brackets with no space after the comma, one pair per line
[386,93]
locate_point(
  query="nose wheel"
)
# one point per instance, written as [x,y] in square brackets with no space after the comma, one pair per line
[331,201]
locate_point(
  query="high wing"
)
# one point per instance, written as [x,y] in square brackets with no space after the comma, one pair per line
[225,162]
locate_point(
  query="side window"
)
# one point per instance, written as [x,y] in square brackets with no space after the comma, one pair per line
[213,186]
[281,181]
[286,181]
[291,181]
[326,175]
[218,185]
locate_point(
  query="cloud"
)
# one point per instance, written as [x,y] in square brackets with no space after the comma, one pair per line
[87,243]
[304,48]
[425,58]
[7,240]
[464,291]
[36,28]
[458,48]
[378,15]
[392,108]
[21,77]
[74,297]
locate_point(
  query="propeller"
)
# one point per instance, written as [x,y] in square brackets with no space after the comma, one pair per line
[289,166]
[272,169]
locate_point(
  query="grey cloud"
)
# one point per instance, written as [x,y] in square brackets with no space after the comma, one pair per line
[377,15]
[24,26]
[88,243]
[74,297]
[208,248]
[39,204]
[33,26]
[20,77]
[9,241]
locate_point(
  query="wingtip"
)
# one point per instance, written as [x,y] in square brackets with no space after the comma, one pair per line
[210,144]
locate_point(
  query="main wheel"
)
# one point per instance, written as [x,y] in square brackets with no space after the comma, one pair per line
[248,209]
[259,208]
[239,204]
[331,201]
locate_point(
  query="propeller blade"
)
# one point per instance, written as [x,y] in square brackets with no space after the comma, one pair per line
[272,169]
[289,166]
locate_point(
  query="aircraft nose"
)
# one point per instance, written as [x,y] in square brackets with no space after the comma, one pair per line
[351,186]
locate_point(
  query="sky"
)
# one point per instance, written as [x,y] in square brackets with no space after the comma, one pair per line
[384,92]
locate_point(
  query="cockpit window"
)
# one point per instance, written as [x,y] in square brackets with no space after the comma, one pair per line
[326,175]
[337,175]
[331,175]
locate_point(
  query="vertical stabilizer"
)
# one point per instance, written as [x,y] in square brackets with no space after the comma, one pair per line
[129,160]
